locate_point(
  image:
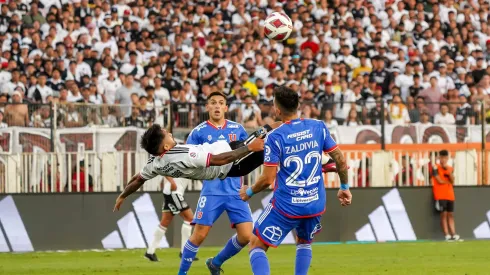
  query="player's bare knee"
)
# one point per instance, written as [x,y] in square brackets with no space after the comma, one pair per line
[199,235]
[244,238]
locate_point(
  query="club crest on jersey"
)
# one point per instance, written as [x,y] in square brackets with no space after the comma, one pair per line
[232,137]
[210,137]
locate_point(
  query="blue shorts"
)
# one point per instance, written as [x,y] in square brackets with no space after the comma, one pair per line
[210,208]
[272,227]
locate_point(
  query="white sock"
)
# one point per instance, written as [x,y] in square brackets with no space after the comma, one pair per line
[167,188]
[157,238]
[185,234]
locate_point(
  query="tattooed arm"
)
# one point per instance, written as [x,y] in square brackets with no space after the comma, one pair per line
[344,195]
[341,164]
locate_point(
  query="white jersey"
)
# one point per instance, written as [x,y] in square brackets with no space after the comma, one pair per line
[182,185]
[188,161]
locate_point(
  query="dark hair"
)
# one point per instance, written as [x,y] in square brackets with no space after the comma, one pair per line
[443,153]
[287,99]
[151,139]
[216,94]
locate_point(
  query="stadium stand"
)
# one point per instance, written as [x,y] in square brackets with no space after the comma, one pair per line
[342,55]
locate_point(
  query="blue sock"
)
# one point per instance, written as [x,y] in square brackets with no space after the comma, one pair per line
[190,251]
[259,262]
[303,259]
[231,248]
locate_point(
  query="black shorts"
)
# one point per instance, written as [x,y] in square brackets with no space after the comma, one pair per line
[174,203]
[445,206]
[246,165]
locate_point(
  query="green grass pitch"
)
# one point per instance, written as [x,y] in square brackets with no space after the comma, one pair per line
[464,258]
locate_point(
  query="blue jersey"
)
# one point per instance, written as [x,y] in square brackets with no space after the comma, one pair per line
[209,133]
[296,148]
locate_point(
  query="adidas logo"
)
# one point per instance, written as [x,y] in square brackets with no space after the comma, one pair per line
[483,230]
[13,237]
[255,216]
[388,222]
[221,136]
[135,227]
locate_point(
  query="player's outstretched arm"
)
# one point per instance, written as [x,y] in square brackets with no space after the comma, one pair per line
[228,157]
[344,195]
[265,181]
[134,184]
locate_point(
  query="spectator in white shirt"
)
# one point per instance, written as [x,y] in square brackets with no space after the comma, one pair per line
[345,100]
[398,112]
[445,82]
[405,81]
[444,117]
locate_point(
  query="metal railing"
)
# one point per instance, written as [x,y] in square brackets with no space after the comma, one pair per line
[78,172]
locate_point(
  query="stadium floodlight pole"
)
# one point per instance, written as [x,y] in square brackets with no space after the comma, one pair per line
[483,143]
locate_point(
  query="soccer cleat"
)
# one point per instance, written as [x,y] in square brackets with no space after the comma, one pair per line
[456,238]
[448,238]
[214,270]
[151,257]
[195,259]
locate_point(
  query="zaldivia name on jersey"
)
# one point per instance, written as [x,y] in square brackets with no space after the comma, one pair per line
[301,147]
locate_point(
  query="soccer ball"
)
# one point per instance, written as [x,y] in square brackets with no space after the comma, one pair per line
[278,26]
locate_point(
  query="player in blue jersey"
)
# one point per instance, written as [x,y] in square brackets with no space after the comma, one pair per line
[292,159]
[218,196]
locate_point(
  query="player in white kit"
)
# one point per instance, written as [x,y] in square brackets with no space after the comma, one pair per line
[200,162]
[174,204]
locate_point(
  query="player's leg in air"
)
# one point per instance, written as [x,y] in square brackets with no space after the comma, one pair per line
[174,204]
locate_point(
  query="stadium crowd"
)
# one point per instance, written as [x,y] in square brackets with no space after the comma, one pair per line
[351,60]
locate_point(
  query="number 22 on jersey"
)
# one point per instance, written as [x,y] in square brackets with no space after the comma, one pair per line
[311,162]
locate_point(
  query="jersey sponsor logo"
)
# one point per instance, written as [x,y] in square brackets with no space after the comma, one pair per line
[210,137]
[200,126]
[302,192]
[170,171]
[297,200]
[301,147]
[232,137]
[388,222]
[272,233]
[193,155]
[235,126]
[301,135]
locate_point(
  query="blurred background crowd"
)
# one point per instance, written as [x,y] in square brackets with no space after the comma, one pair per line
[74,63]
